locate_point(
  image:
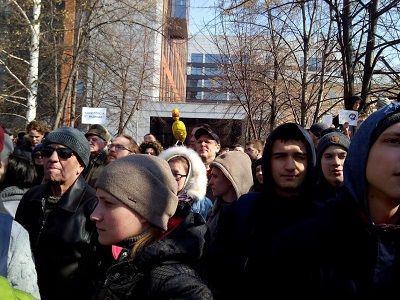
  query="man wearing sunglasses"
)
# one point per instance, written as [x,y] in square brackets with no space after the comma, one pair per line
[56,215]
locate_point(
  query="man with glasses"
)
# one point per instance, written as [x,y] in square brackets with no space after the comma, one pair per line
[98,138]
[122,145]
[56,215]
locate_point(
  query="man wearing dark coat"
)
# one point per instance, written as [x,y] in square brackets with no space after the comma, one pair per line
[351,249]
[57,217]
[251,227]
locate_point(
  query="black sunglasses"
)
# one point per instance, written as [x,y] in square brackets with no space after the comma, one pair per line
[63,153]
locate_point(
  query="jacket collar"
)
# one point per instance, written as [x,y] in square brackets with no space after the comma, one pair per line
[71,199]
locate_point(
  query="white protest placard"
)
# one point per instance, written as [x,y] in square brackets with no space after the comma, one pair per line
[94,115]
[327,119]
[349,116]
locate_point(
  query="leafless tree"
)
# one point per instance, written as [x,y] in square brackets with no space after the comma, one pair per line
[29,13]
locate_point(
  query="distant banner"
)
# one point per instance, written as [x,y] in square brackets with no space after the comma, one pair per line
[94,115]
[349,116]
[327,119]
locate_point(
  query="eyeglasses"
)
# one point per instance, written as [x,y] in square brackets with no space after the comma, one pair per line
[94,139]
[63,153]
[118,147]
[179,176]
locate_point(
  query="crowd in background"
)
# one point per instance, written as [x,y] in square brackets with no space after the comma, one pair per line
[309,212]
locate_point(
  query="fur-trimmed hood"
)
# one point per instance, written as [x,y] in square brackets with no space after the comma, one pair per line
[196,181]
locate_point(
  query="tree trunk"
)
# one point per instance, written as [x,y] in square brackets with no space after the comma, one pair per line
[34,62]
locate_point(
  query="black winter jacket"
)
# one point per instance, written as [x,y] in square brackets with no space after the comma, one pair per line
[341,253]
[162,270]
[62,239]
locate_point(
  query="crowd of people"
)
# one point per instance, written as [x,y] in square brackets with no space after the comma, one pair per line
[309,213]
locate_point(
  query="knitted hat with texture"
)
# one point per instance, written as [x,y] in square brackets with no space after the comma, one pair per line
[100,131]
[384,124]
[236,166]
[332,138]
[71,138]
[145,184]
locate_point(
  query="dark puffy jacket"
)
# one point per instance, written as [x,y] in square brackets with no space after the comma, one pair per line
[162,270]
[62,239]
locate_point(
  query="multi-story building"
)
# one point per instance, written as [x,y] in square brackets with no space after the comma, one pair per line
[174,50]
[204,68]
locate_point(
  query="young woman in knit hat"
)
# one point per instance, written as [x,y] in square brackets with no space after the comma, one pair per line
[137,197]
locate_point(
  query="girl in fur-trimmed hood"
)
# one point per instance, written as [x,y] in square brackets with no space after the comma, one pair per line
[191,176]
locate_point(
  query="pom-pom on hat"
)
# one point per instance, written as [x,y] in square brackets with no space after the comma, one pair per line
[100,131]
[71,138]
[145,184]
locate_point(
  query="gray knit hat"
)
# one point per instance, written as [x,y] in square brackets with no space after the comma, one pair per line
[71,138]
[144,183]
[236,166]
[332,138]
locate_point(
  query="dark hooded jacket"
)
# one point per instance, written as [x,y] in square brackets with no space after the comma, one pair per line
[340,253]
[256,219]
[164,269]
[324,191]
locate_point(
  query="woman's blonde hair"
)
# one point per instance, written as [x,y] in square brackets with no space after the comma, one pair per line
[147,238]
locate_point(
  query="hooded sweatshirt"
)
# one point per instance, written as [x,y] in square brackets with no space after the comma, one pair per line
[252,223]
[341,253]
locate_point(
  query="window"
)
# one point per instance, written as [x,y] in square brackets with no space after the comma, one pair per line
[193,83]
[178,9]
[213,96]
[197,71]
[197,58]
[213,72]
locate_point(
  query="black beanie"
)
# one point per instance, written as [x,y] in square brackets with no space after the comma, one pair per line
[383,124]
[332,138]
